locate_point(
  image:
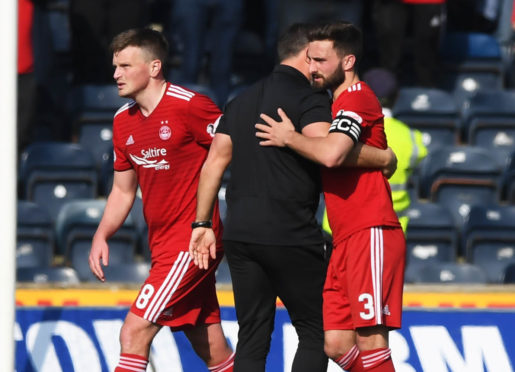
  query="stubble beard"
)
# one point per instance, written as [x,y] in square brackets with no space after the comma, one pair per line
[332,82]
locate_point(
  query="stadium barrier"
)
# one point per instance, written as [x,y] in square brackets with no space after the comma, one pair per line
[444,329]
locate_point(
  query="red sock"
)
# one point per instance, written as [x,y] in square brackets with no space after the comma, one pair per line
[131,363]
[377,360]
[225,366]
[347,360]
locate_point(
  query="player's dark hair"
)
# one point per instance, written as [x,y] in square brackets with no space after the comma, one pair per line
[293,40]
[152,41]
[347,38]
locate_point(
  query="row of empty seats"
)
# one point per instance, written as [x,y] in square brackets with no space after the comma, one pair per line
[486,240]
[137,272]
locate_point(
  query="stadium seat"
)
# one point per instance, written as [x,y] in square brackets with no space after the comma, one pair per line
[75,226]
[509,274]
[489,121]
[52,173]
[430,236]
[489,239]
[471,62]
[508,181]
[106,172]
[97,138]
[61,275]
[127,272]
[96,103]
[458,177]
[34,236]
[450,273]
[432,111]
[223,274]
[222,203]
[141,228]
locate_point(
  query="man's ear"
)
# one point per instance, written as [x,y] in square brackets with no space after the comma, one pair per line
[155,67]
[348,62]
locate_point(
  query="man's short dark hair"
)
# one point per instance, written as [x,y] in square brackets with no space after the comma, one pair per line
[152,41]
[347,38]
[293,40]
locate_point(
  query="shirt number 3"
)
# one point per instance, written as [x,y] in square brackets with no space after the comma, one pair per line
[368,306]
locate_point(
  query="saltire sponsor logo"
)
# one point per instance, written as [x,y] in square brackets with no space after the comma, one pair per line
[147,161]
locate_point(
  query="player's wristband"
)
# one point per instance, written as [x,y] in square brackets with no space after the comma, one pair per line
[196,224]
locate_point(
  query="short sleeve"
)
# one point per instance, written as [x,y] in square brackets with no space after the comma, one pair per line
[316,108]
[120,161]
[222,125]
[204,117]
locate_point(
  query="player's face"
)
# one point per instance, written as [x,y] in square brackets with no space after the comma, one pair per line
[132,71]
[325,66]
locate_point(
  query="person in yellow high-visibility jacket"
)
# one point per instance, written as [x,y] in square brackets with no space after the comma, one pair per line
[406,143]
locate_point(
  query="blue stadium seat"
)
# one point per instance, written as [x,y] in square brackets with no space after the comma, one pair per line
[489,121]
[458,177]
[141,227]
[222,203]
[61,275]
[223,274]
[97,138]
[489,239]
[472,62]
[106,172]
[432,111]
[75,226]
[430,236]
[34,236]
[450,273]
[52,173]
[94,103]
[509,274]
[127,272]
[508,180]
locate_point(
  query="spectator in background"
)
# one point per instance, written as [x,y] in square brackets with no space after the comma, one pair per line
[473,16]
[26,80]
[211,25]
[93,24]
[425,20]
[406,143]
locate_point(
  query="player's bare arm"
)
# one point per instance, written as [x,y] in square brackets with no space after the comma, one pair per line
[365,156]
[329,151]
[117,208]
[283,134]
[203,240]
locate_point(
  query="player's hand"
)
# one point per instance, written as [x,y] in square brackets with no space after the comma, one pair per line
[391,166]
[202,246]
[275,133]
[99,251]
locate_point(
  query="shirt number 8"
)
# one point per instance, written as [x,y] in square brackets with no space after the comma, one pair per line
[146,293]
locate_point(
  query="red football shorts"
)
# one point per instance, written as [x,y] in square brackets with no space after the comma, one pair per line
[178,294]
[365,280]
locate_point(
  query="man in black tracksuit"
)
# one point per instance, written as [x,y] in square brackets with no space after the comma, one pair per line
[272,240]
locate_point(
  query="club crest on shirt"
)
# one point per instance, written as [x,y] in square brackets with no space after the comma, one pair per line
[164,131]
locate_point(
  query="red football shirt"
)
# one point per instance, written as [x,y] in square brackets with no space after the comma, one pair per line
[357,198]
[167,150]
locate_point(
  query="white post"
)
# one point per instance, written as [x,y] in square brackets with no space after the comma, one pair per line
[8,75]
